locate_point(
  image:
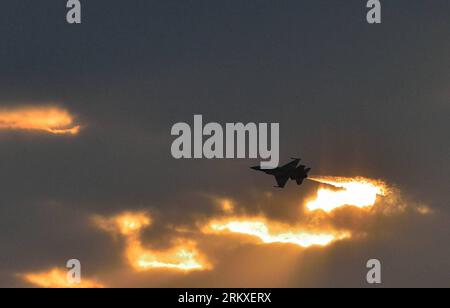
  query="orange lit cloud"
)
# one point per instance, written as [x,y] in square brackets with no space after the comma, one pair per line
[317,227]
[51,120]
[357,192]
[184,256]
[226,205]
[127,224]
[424,210]
[270,232]
[56,278]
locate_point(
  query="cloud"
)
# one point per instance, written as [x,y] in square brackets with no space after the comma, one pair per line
[232,239]
[56,278]
[270,233]
[366,205]
[183,256]
[52,120]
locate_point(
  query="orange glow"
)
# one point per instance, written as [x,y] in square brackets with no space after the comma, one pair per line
[270,233]
[127,224]
[52,120]
[184,256]
[424,210]
[56,278]
[358,192]
[226,205]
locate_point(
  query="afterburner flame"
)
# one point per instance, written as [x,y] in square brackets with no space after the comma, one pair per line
[52,120]
[184,256]
[56,278]
[270,233]
[358,192]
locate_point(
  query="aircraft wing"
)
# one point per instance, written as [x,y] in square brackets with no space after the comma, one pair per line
[281,181]
[292,165]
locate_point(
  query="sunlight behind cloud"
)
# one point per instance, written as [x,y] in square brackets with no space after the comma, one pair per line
[358,192]
[56,278]
[270,233]
[183,256]
[52,120]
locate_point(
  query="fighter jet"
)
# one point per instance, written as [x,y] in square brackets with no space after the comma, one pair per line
[289,171]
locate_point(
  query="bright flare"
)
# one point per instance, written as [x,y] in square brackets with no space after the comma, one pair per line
[358,192]
[52,120]
[183,257]
[270,233]
[57,278]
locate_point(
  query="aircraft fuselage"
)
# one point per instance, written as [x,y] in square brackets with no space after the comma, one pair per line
[287,172]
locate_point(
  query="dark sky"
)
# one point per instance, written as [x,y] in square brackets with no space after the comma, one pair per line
[352,99]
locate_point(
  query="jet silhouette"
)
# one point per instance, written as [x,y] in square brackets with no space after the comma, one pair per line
[286,172]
